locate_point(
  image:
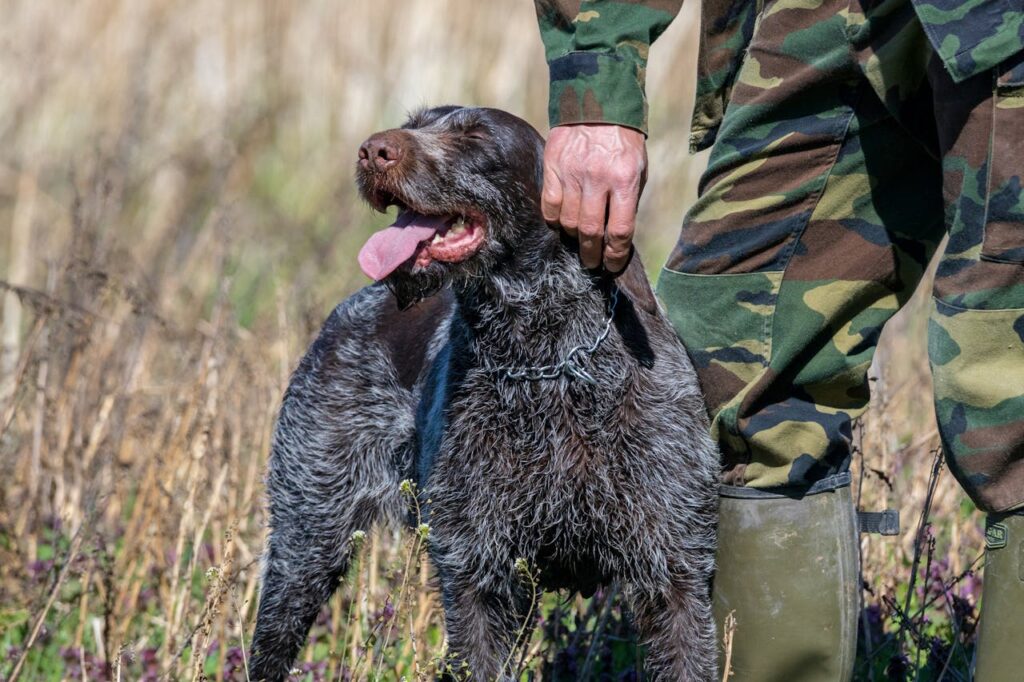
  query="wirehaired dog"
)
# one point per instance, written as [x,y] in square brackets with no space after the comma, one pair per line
[548,414]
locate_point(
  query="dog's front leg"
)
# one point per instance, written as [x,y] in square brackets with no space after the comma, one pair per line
[676,625]
[298,579]
[485,628]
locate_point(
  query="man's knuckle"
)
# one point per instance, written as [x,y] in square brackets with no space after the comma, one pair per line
[620,230]
[616,250]
[623,175]
[626,194]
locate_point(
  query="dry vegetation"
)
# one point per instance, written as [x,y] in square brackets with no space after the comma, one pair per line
[176,218]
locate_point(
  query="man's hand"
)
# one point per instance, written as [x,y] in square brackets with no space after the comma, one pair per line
[593,174]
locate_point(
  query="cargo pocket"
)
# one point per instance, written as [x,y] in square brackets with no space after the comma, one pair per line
[977,362]
[1004,210]
[725,323]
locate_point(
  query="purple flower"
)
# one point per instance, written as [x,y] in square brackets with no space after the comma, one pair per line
[898,667]
[39,569]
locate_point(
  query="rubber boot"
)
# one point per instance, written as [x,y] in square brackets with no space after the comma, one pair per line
[1000,656]
[789,572]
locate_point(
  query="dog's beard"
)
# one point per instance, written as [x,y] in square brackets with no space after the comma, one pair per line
[409,289]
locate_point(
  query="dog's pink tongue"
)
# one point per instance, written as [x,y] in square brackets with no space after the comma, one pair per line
[392,246]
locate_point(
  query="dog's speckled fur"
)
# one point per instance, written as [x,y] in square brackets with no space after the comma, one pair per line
[589,483]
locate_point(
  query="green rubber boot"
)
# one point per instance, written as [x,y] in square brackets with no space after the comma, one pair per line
[789,573]
[1000,654]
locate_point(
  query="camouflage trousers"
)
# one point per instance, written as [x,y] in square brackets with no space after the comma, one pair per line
[845,155]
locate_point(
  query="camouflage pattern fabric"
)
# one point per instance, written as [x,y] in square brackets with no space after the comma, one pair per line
[972,36]
[597,56]
[597,51]
[846,153]
[852,136]
[726,28]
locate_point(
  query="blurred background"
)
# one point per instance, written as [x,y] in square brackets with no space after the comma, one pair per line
[177,217]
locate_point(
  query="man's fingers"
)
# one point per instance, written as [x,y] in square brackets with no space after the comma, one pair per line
[621,225]
[569,218]
[587,166]
[593,211]
[551,195]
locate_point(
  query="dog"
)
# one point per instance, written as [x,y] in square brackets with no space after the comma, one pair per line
[548,414]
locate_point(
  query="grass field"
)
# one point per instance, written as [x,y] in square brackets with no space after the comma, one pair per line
[177,216]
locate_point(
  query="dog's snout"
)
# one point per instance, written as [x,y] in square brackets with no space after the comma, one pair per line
[381,151]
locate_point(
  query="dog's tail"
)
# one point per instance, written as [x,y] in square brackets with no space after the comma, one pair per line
[342,446]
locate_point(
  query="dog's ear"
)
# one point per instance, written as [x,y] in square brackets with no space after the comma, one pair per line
[633,281]
[540,163]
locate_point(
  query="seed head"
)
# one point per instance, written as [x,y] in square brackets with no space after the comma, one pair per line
[358,538]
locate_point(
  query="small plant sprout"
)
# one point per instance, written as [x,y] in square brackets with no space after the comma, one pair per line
[357,539]
[408,488]
[526,575]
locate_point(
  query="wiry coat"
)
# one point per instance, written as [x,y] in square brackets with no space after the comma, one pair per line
[587,481]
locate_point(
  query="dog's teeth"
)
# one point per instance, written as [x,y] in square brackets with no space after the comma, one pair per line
[459,222]
[458,228]
[437,239]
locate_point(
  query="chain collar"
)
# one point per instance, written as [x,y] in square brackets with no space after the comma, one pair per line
[570,365]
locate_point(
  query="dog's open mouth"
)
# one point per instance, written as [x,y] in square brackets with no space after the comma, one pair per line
[417,239]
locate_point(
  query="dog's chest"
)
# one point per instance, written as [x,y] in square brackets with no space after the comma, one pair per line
[565,419]
[544,474]
[550,450]
[545,454]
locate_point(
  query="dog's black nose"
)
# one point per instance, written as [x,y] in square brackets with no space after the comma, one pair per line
[381,151]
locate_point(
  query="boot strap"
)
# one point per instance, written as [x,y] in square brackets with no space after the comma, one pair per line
[883,523]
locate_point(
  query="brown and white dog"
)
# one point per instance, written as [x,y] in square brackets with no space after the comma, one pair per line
[547,412]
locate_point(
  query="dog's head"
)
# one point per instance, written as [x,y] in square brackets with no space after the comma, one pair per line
[466,183]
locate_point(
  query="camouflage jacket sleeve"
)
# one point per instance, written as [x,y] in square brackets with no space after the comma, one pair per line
[597,55]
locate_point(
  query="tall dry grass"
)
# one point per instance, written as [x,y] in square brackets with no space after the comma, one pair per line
[176,218]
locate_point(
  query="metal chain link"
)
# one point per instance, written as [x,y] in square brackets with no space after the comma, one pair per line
[570,365]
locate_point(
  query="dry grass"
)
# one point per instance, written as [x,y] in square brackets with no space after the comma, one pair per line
[176,218]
